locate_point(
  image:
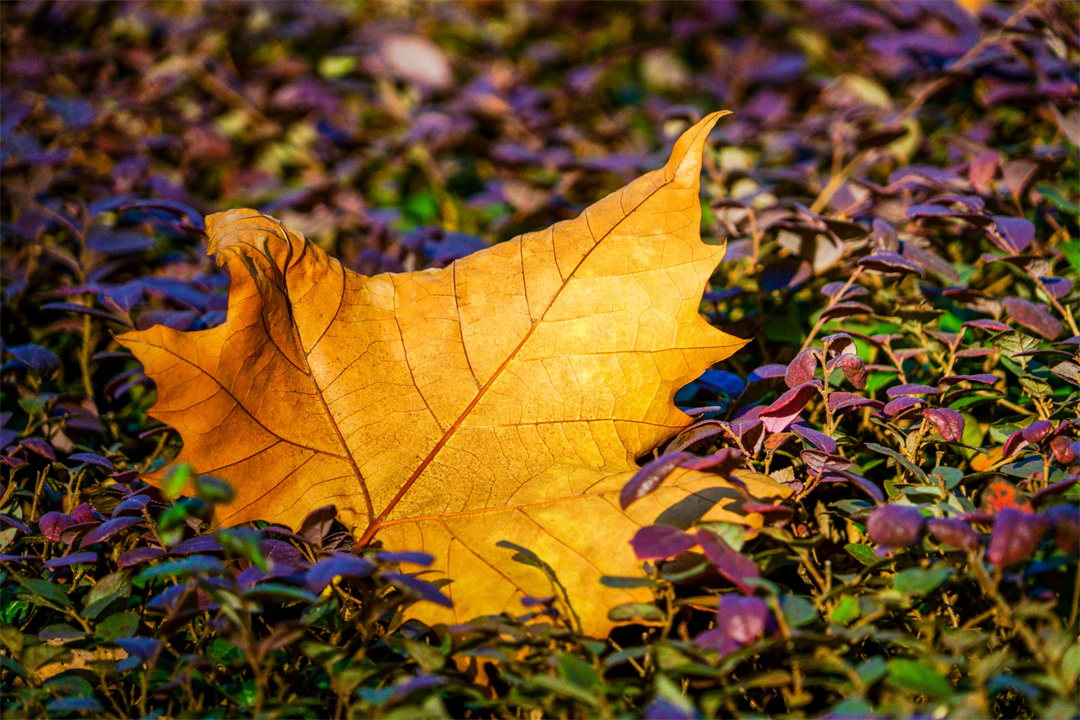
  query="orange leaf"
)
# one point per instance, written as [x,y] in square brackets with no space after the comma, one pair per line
[502,399]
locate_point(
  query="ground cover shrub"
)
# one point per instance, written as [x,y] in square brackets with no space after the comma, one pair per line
[898,191]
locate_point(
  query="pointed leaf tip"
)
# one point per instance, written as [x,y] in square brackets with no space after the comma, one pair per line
[684,167]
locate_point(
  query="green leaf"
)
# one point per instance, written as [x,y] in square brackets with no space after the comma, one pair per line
[428,657]
[627,583]
[920,581]
[1070,664]
[900,459]
[176,479]
[562,687]
[862,553]
[107,590]
[575,670]
[197,564]
[798,611]
[845,611]
[281,593]
[631,612]
[872,670]
[120,625]
[951,477]
[44,590]
[920,678]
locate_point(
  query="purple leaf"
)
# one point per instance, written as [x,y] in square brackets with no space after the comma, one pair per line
[832,290]
[21,527]
[39,359]
[1063,449]
[73,559]
[838,344]
[701,430]
[322,573]
[1064,520]
[721,462]
[786,408]
[981,378]
[888,261]
[955,533]
[765,372]
[283,554]
[852,366]
[735,566]
[743,619]
[1013,443]
[1015,537]
[749,435]
[411,557]
[801,369]
[850,401]
[911,389]
[900,405]
[316,525]
[716,639]
[1036,431]
[141,647]
[819,440]
[948,423]
[40,447]
[138,556]
[818,462]
[1018,233]
[895,526]
[1034,317]
[846,309]
[418,587]
[660,542]
[108,529]
[648,478]
[53,524]
[197,544]
[985,324]
[132,506]
[92,459]
[1056,287]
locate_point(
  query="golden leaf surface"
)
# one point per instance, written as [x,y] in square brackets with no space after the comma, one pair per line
[496,403]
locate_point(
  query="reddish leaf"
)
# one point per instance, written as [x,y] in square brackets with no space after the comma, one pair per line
[897,407]
[955,533]
[650,477]
[1015,537]
[783,411]
[948,423]
[801,369]
[853,367]
[108,529]
[1065,522]
[850,401]
[1034,317]
[1036,431]
[660,542]
[911,389]
[819,440]
[735,566]
[743,619]
[895,526]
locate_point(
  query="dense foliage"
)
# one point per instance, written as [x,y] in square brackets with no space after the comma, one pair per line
[898,189]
